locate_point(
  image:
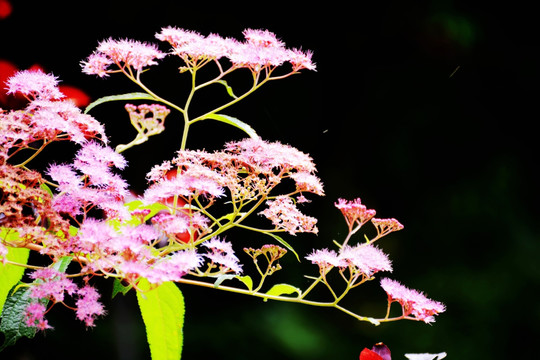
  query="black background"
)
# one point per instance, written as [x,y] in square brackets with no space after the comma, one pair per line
[425,110]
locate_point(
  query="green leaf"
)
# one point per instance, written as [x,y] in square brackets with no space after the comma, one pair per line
[162,310]
[283,289]
[11,274]
[13,324]
[128,96]
[62,264]
[229,89]
[284,243]
[118,287]
[247,281]
[234,122]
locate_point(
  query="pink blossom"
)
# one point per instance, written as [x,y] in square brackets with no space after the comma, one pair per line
[270,155]
[97,64]
[306,181]
[386,226]
[354,212]
[52,118]
[368,259]
[412,302]
[219,246]
[262,38]
[88,306]
[326,259]
[34,315]
[285,215]
[124,53]
[301,60]
[174,267]
[222,253]
[35,84]
[53,284]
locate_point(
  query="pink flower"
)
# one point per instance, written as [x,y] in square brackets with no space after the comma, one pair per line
[53,284]
[34,315]
[34,84]
[386,226]
[326,259]
[88,306]
[306,181]
[174,267]
[262,38]
[368,259]
[267,156]
[124,53]
[354,212]
[285,215]
[222,253]
[97,64]
[413,303]
[52,118]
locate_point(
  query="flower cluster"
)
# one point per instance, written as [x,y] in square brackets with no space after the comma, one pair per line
[52,285]
[413,303]
[45,119]
[84,212]
[261,49]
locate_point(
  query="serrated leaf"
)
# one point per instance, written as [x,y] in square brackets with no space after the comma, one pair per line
[229,88]
[128,96]
[284,243]
[118,287]
[247,281]
[162,310]
[283,289]
[10,275]
[13,324]
[234,122]
[61,264]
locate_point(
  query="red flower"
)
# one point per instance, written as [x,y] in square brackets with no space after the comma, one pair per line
[379,351]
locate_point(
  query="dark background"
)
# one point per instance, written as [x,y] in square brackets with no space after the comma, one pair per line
[426,110]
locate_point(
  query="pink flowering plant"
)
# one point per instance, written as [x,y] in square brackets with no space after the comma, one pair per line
[85,223]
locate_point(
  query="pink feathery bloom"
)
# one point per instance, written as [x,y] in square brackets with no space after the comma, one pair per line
[34,315]
[306,181]
[227,262]
[53,285]
[174,267]
[219,246]
[285,215]
[354,212]
[262,38]
[34,84]
[172,223]
[413,302]
[124,53]
[326,259]
[270,155]
[185,184]
[386,226]
[3,253]
[301,60]
[222,253]
[368,259]
[178,37]
[88,306]
[97,64]
[62,117]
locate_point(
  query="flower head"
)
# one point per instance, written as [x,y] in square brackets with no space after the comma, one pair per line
[368,259]
[285,215]
[354,212]
[413,303]
[123,53]
[88,306]
[34,84]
